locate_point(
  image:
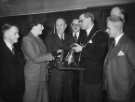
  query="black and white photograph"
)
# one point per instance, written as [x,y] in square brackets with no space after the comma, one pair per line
[67,50]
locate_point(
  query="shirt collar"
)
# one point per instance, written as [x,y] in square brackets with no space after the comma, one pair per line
[118,38]
[9,45]
[61,36]
[89,30]
[76,34]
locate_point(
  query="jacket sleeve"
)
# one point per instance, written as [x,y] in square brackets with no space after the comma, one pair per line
[131,53]
[30,51]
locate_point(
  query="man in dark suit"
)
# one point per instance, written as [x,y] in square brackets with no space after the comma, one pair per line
[60,39]
[11,66]
[59,82]
[78,36]
[119,63]
[93,52]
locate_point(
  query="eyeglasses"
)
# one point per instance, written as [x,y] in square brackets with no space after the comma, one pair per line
[73,24]
[82,20]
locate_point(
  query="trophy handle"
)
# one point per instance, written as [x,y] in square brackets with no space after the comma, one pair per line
[70,57]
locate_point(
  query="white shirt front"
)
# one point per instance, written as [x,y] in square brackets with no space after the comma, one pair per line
[118,38]
[76,34]
[61,36]
[89,30]
[9,45]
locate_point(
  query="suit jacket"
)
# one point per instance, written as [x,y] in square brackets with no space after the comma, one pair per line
[11,71]
[80,40]
[54,43]
[36,61]
[119,69]
[93,54]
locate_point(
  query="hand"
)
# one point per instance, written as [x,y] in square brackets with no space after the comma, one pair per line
[77,47]
[59,51]
[49,57]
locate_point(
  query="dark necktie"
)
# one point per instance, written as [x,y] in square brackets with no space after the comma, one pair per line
[75,37]
[113,44]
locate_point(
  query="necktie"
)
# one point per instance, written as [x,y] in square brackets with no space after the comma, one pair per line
[112,44]
[62,37]
[75,37]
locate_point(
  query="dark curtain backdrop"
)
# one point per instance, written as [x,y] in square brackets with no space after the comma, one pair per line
[48,19]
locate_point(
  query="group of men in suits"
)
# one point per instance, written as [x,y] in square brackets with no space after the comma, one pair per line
[90,47]
[104,67]
[110,69]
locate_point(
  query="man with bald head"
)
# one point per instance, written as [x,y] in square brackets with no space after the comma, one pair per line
[59,42]
[117,11]
[119,65]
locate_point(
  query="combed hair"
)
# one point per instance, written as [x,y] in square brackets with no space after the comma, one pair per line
[6,27]
[61,19]
[89,15]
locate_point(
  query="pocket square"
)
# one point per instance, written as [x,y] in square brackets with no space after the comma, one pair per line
[90,41]
[121,53]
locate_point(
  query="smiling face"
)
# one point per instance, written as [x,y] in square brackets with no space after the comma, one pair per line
[60,26]
[85,22]
[111,30]
[114,28]
[12,34]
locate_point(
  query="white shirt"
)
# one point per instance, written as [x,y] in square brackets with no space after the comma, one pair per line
[118,38]
[89,30]
[9,45]
[61,36]
[76,34]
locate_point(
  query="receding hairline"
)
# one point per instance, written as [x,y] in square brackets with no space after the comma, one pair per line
[7,27]
[61,19]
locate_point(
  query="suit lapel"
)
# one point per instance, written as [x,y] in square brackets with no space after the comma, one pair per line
[114,51]
[93,30]
[7,49]
[58,40]
[39,42]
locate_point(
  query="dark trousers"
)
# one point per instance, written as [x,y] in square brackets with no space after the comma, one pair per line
[113,100]
[90,93]
[75,86]
[12,98]
[131,97]
[60,83]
